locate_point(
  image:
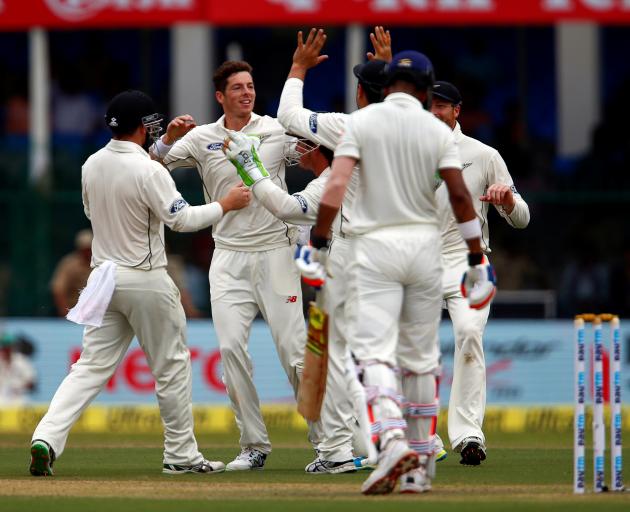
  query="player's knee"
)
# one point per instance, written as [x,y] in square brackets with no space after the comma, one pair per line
[467,337]
[231,353]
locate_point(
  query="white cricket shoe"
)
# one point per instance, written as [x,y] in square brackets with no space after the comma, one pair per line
[204,467]
[395,460]
[415,482]
[248,459]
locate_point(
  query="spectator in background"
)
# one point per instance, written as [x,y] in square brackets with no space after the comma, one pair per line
[16,122]
[584,282]
[75,114]
[17,374]
[72,272]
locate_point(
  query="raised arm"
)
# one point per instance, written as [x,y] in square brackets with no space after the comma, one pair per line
[179,127]
[382,43]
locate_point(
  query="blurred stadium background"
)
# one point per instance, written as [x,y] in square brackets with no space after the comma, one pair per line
[543,81]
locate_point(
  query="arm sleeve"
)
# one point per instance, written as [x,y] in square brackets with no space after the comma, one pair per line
[172,209]
[84,195]
[300,208]
[322,128]
[183,153]
[450,159]
[349,143]
[498,173]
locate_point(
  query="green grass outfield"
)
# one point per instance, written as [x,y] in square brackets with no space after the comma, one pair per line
[101,472]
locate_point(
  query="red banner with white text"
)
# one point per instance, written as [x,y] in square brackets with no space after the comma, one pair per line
[24,14]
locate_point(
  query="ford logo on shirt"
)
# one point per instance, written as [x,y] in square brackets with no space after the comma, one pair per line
[215,146]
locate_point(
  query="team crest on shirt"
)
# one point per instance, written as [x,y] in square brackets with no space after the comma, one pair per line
[215,146]
[177,205]
[302,201]
[312,122]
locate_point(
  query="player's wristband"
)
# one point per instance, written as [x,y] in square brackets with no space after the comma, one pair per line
[319,241]
[475,258]
[162,149]
[470,229]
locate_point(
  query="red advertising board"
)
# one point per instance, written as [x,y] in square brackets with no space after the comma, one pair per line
[23,14]
[419,12]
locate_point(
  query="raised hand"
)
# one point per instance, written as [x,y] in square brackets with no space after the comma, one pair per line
[307,54]
[177,128]
[382,43]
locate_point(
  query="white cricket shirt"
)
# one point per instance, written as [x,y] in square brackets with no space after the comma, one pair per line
[129,197]
[482,166]
[400,148]
[253,228]
[324,128]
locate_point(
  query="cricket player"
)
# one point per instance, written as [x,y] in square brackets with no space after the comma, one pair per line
[128,198]
[489,182]
[252,266]
[395,272]
[335,450]
[343,390]
[321,133]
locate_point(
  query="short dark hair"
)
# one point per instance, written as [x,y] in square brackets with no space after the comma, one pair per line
[329,154]
[226,70]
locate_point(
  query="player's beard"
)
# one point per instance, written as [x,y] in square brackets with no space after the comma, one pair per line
[147,142]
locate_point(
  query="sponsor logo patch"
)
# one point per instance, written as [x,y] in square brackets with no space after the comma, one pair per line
[302,201]
[513,189]
[312,123]
[215,146]
[291,299]
[177,205]
[467,164]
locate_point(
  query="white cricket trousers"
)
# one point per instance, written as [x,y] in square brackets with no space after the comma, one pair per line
[467,402]
[394,301]
[342,384]
[147,304]
[241,284]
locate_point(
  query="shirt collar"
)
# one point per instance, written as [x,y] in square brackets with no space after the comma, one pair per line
[125,146]
[403,97]
[253,119]
[457,132]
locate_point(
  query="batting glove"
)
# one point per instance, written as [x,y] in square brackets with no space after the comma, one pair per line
[242,151]
[311,262]
[479,283]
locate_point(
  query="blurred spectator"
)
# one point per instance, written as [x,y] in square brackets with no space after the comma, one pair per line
[515,268]
[75,114]
[16,122]
[584,283]
[17,374]
[72,273]
[176,268]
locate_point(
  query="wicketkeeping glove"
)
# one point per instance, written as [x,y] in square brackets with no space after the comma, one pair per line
[311,263]
[242,151]
[479,283]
